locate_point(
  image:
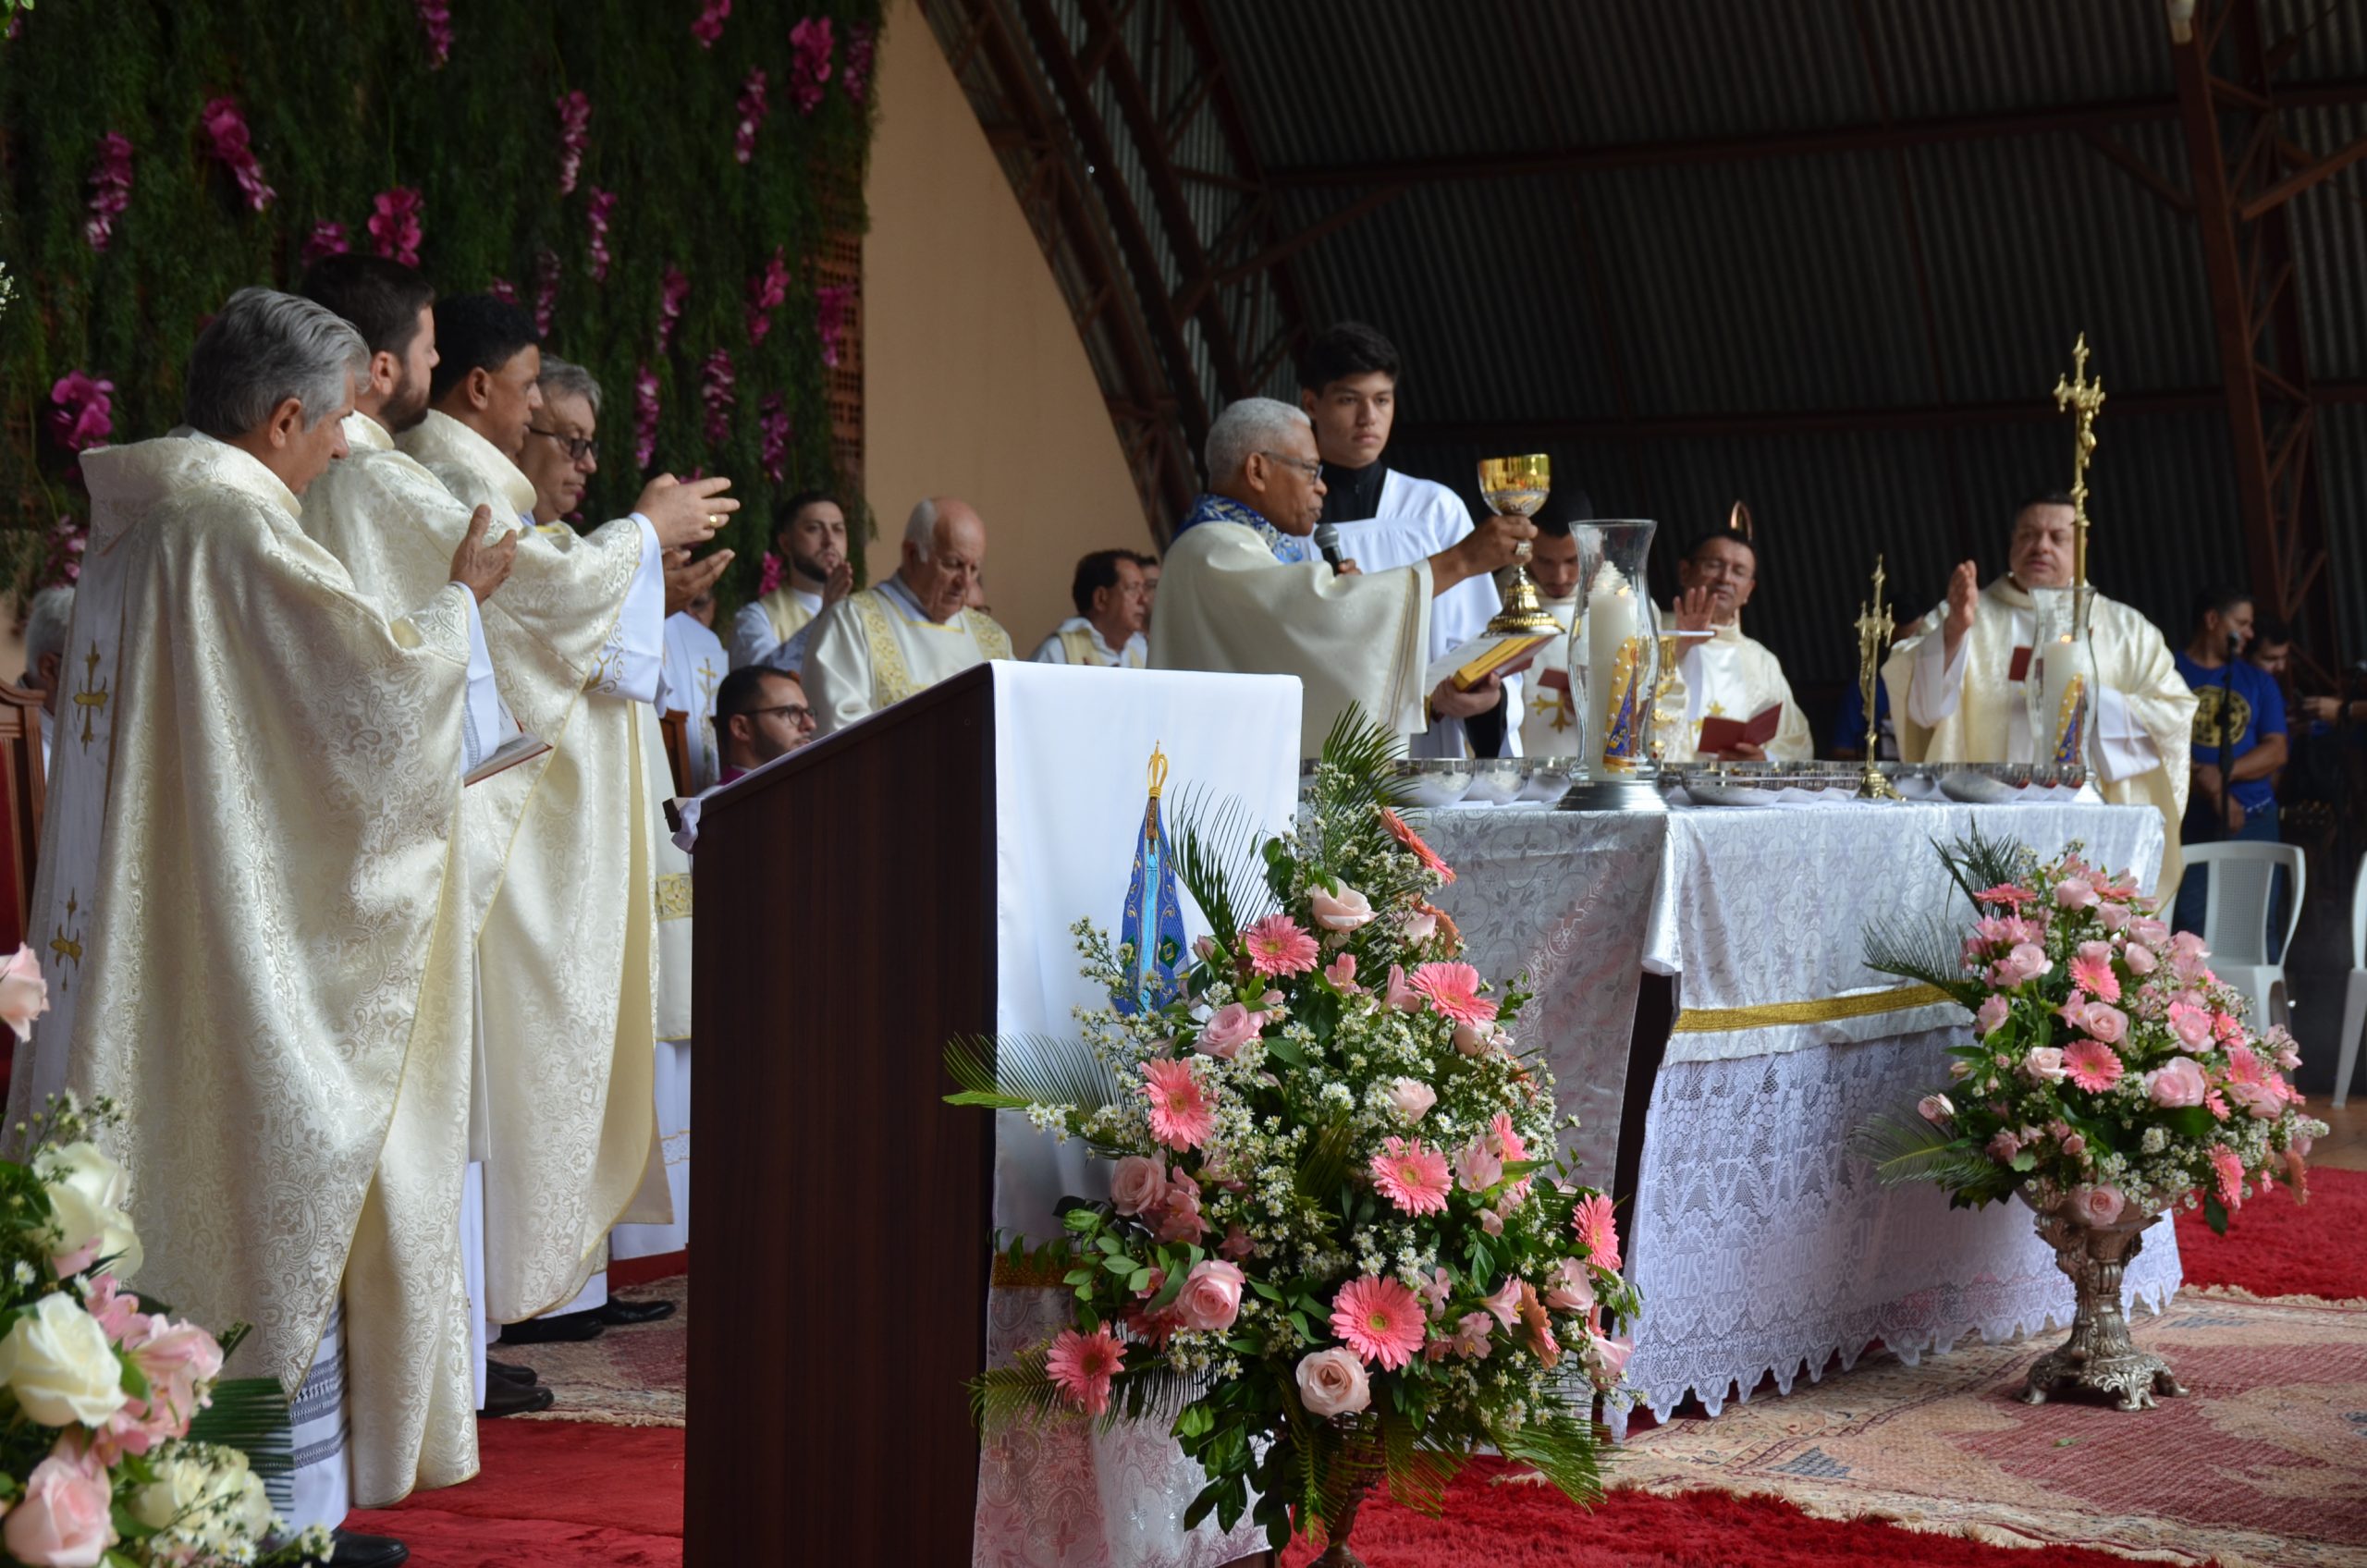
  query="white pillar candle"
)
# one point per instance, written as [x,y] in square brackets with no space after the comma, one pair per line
[1613,616]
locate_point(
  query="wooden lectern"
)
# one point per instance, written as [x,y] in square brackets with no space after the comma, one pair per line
[846,930]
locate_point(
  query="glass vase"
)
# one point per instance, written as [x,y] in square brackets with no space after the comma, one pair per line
[1614,669]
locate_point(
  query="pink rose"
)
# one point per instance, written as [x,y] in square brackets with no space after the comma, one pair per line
[2187,955]
[1331,1382]
[2075,1146]
[1935,1108]
[2113,916]
[2107,1023]
[1412,1098]
[2096,1206]
[1231,1026]
[1138,1186]
[2045,1063]
[1570,1288]
[63,1521]
[2139,958]
[1419,926]
[1343,911]
[1993,1011]
[1399,995]
[2076,892]
[2026,960]
[1473,1039]
[1492,1222]
[1477,1167]
[2263,1101]
[2191,1024]
[2004,1148]
[1211,1296]
[24,995]
[2150,931]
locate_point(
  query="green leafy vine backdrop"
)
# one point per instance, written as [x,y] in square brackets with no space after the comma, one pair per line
[629,169]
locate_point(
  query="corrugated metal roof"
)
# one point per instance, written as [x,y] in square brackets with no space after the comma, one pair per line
[1799,283]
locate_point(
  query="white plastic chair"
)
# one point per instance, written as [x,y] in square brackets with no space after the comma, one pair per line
[2354,994]
[2235,919]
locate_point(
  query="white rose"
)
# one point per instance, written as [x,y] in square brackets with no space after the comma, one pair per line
[1412,1098]
[218,1499]
[86,1192]
[58,1363]
[1345,912]
[1331,1382]
[179,1486]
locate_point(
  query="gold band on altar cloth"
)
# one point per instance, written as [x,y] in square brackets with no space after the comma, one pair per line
[1825,1009]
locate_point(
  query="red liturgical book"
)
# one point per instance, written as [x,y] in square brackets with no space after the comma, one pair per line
[1554,680]
[2021,669]
[1722,734]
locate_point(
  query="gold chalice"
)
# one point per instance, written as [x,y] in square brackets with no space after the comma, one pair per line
[1517,487]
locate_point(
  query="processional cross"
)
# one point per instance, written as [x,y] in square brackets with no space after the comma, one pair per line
[1874,629]
[2082,399]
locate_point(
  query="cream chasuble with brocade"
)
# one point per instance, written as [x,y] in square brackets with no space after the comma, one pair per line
[272,971]
[760,627]
[1971,711]
[567,947]
[878,646]
[1728,675]
[1225,603]
[667,1179]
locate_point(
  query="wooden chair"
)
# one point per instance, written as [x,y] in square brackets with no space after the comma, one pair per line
[22,783]
[674,726]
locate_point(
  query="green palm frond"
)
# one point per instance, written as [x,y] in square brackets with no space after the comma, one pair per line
[1418,1473]
[1563,1449]
[1978,863]
[1002,1396]
[1362,758]
[1331,1462]
[1153,1393]
[1929,949]
[1220,860]
[1014,1071]
[1903,1149]
[1323,1159]
[250,1414]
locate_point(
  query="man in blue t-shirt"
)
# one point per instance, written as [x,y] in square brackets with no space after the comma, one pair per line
[2239,743]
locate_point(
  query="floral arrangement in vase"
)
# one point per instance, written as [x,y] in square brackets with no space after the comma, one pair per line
[2110,1078]
[120,1444]
[1335,1249]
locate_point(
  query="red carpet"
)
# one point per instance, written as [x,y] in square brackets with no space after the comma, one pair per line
[566,1495]
[2275,1247]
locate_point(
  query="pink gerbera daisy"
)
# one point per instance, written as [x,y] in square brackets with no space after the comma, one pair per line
[1180,1114]
[1413,840]
[1453,990]
[1379,1319]
[1279,945]
[2005,893]
[1411,1176]
[2230,1171]
[2091,972]
[1082,1365]
[1596,1231]
[2091,1064]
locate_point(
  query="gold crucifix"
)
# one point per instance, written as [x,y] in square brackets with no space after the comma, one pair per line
[92,698]
[2082,399]
[1874,629]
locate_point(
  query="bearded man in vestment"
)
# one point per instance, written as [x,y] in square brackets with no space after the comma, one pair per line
[256,852]
[1233,604]
[1722,673]
[906,634]
[810,542]
[568,944]
[1952,685]
[1347,383]
[1548,718]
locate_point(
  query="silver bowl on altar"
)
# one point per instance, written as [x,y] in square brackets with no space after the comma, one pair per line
[1436,781]
[1495,781]
[1549,777]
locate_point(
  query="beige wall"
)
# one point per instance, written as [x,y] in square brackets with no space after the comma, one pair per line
[975,382]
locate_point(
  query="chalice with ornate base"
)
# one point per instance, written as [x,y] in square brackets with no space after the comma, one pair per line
[1517,487]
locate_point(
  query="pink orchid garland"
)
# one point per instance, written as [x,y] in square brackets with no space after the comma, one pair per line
[503,290]
[809,70]
[597,217]
[716,381]
[768,577]
[327,238]
[436,21]
[862,39]
[751,117]
[110,189]
[574,136]
[394,224]
[772,424]
[673,289]
[546,268]
[709,26]
[226,129]
[84,415]
[644,416]
[766,292]
[830,304]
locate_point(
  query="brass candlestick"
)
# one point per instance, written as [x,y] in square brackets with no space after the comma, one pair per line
[2082,399]
[1517,487]
[1874,629]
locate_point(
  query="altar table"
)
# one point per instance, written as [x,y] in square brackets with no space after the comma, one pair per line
[1721,1122]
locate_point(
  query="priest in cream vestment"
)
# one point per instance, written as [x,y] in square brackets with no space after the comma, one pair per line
[567,946]
[1354,639]
[261,953]
[1721,672]
[906,634]
[1950,681]
[810,542]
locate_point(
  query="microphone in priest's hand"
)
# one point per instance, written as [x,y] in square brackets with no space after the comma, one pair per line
[1327,539]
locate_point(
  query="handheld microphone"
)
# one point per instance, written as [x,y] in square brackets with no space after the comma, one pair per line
[1327,539]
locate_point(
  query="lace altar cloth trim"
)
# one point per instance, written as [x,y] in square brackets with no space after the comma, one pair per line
[1762,1248]
[1064,1494]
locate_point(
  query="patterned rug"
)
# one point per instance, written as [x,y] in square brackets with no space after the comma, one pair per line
[627,1377]
[2263,1464]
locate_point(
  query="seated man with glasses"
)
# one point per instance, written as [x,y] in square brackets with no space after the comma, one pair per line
[1725,675]
[1235,605]
[760,714]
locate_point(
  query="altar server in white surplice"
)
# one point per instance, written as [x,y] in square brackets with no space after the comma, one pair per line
[1952,682]
[1722,673]
[906,634]
[254,849]
[1113,604]
[1347,383]
[1353,638]
[810,543]
[1549,720]
[693,669]
[567,947]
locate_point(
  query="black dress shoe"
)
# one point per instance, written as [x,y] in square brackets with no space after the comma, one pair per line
[510,1372]
[355,1550]
[619,1313]
[565,1328]
[514,1399]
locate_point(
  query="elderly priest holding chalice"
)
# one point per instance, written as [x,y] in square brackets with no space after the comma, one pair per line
[1352,638]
